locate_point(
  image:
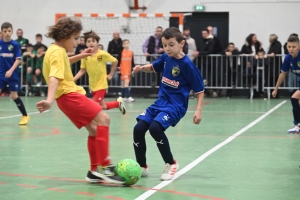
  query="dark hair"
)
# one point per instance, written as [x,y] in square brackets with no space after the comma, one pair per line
[39,35]
[186,28]
[29,45]
[249,39]
[20,30]
[159,27]
[294,34]
[6,25]
[261,51]
[125,40]
[91,34]
[293,39]
[231,43]
[172,32]
[205,29]
[64,29]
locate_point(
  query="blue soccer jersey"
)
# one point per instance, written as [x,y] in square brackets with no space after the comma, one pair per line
[179,77]
[9,52]
[291,63]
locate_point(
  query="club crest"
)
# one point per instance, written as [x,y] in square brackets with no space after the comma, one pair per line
[175,71]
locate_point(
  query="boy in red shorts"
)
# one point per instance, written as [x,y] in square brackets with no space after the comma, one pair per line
[72,101]
[95,66]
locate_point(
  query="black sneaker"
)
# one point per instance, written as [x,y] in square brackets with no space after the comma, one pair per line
[107,174]
[92,178]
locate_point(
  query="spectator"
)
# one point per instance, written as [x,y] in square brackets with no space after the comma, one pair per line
[115,45]
[272,70]
[190,42]
[28,64]
[230,66]
[23,42]
[39,39]
[100,47]
[218,46]
[153,45]
[260,62]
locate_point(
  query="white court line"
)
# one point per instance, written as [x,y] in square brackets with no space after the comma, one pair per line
[12,116]
[187,168]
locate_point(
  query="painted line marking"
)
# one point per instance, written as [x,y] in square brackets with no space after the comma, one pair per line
[205,155]
[12,116]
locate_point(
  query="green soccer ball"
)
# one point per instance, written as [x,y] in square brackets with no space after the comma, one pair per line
[130,170]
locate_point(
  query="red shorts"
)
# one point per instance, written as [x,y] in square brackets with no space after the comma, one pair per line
[78,108]
[99,95]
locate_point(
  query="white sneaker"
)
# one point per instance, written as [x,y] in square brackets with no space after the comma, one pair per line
[295,129]
[130,99]
[121,105]
[169,171]
[38,84]
[145,171]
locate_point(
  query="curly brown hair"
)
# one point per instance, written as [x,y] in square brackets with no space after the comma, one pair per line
[64,29]
[91,34]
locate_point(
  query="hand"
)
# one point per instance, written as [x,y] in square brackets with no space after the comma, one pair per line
[43,105]
[109,77]
[274,93]
[228,53]
[196,53]
[272,54]
[137,68]
[8,74]
[197,117]
[146,54]
[256,56]
[160,50]
[87,52]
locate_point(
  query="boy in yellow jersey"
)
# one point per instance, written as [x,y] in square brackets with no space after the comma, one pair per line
[95,66]
[126,62]
[71,99]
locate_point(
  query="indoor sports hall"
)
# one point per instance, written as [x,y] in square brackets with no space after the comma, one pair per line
[241,149]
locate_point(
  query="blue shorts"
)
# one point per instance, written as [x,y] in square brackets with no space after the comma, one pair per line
[164,118]
[14,85]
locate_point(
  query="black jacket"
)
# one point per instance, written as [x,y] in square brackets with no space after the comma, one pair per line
[115,48]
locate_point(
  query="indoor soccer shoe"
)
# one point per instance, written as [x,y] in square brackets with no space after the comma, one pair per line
[107,174]
[24,120]
[90,177]
[145,171]
[169,171]
[295,130]
[121,105]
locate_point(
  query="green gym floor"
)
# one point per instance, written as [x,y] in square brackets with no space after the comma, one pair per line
[240,151]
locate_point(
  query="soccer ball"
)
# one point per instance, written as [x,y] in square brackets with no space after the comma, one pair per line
[130,170]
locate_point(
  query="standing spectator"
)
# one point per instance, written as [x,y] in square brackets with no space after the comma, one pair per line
[39,39]
[251,47]
[218,46]
[115,45]
[23,42]
[190,42]
[101,47]
[272,70]
[152,45]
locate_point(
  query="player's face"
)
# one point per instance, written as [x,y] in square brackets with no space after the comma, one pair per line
[293,48]
[71,43]
[126,45]
[91,43]
[172,47]
[6,33]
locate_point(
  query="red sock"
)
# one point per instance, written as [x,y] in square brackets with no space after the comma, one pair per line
[91,144]
[102,145]
[112,104]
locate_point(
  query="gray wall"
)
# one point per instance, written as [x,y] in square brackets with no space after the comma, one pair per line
[260,17]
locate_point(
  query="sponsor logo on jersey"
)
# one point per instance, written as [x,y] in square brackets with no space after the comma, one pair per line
[171,83]
[10,47]
[175,70]
[99,58]
[7,55]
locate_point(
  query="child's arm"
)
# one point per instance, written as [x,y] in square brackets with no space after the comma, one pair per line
[113,69]
[144,68]
[80,74]
[84,54]
[279,81]
[198,113]
[52,87]
[12,69]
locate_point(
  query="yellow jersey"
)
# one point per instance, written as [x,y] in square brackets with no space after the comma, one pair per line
[56,63]
[95,66]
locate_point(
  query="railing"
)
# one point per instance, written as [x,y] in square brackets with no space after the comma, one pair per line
[219,72]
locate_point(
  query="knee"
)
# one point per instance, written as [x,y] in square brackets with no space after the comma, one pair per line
[155,129]
[29,70]
[37,72]
[140,129]
[102,119]
[13,95]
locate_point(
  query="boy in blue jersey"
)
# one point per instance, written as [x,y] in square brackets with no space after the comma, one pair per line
[10,57]
[179,77]
[292,62]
